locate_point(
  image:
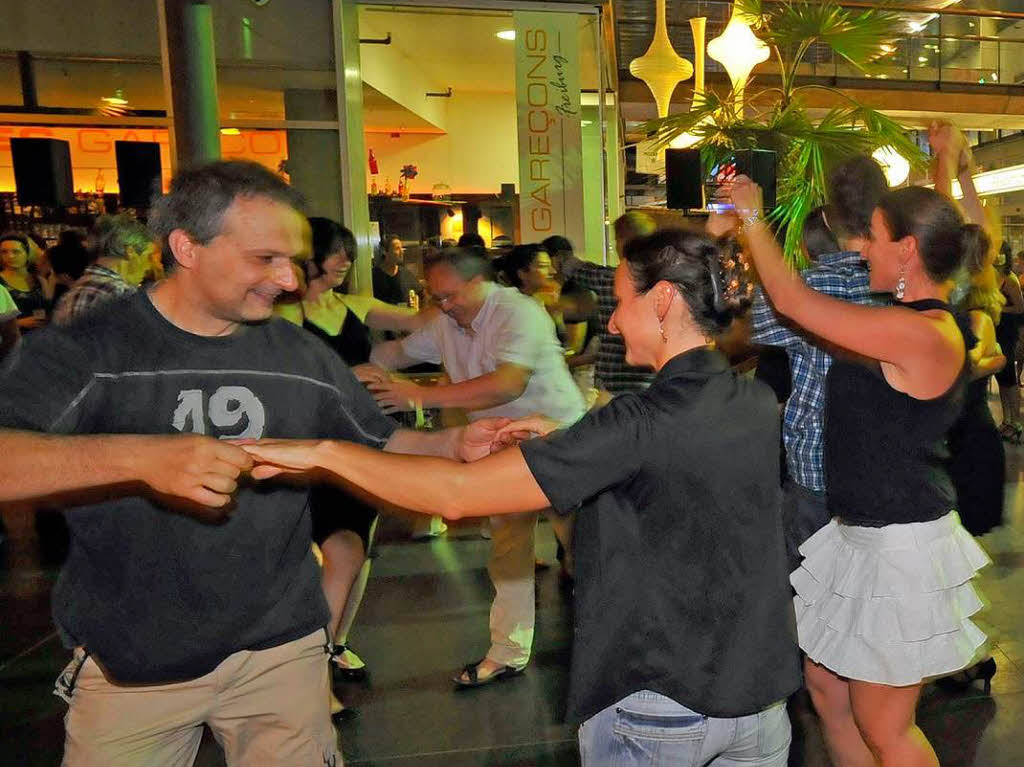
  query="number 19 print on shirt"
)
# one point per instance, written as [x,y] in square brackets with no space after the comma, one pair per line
[235,409]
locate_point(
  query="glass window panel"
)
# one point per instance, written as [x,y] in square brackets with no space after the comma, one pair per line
[275,61]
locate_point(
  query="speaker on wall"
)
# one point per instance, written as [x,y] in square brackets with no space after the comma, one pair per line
[683,179]
[42,171]
[138,172]
[759,165]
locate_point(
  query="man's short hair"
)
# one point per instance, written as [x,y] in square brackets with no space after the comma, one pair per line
[199,197]
[854,189]
[467,262]
[633,224]
[472,240]
[556,245]
[113,236]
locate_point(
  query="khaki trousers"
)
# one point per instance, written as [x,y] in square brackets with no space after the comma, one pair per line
[268,707]
[511,567]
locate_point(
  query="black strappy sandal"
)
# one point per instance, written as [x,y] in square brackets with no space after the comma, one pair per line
[473,680]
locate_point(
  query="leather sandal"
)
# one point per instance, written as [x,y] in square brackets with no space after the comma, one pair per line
[474,680]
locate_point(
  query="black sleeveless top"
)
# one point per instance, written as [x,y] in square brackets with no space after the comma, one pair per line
[886,457]
[352,342]
[28,301]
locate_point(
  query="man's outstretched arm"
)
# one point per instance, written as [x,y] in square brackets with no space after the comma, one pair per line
[192,467]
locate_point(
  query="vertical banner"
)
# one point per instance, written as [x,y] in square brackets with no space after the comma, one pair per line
[548,117]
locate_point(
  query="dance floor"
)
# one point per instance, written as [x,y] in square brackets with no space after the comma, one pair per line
[425,615]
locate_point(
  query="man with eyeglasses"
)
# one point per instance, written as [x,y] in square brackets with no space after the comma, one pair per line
[501,353]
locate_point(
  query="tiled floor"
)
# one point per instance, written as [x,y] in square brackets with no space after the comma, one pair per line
[425,614]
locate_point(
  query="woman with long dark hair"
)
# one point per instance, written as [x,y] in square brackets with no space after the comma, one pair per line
[684,651]
[343,526]
[883,594]
[31,290]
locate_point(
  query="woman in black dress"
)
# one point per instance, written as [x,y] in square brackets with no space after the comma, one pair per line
[978,466]
[979,461]
[1007,334]
[343,322]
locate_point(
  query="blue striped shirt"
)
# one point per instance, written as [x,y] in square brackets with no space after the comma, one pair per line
[842,275]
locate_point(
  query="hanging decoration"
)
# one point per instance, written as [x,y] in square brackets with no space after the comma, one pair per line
[739,52]
[661,67]
[697,27]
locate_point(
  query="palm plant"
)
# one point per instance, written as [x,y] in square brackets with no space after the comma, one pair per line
[777,118]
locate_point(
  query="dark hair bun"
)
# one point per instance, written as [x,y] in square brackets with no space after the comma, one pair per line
[711,278]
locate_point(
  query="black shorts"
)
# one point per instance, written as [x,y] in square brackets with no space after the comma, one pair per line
[333,509]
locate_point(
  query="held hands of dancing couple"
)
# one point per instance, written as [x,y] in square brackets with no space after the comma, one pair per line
[479,439]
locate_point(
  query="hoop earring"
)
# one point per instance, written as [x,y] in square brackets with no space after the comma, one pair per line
[901,282]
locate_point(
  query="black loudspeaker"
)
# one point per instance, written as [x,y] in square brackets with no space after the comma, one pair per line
[759,165]
[683,179]
[138,172]
[42,171]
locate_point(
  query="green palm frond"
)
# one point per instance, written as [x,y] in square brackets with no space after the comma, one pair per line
[794,25]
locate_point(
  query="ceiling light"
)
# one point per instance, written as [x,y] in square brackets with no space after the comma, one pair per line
[506,34]
[230,132]
[739,51]
[894,165]
[923,59]
[115,105]
[999,181]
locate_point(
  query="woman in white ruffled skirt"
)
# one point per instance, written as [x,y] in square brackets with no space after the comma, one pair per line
[884,599]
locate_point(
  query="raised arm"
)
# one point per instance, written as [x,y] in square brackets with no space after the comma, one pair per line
[923,351]
[499,484]
[953,159]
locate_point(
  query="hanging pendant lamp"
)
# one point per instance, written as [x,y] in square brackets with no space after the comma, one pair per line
[739,52]
[697,26]
[661,67]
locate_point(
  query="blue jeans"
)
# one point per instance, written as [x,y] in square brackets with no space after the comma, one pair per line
[649,730]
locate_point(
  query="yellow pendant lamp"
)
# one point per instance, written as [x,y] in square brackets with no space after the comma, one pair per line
[697,26]
[739,52]
[661,67]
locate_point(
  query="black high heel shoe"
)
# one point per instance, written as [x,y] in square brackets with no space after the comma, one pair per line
[962,680]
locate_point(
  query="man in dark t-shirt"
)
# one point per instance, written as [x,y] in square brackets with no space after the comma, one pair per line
[190,595]
[392,280]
